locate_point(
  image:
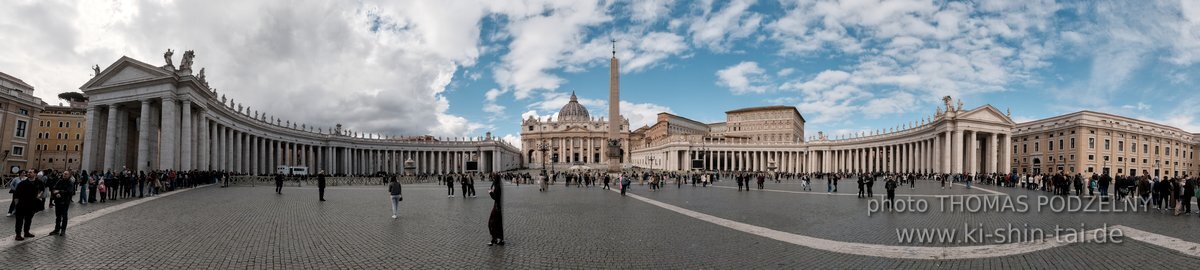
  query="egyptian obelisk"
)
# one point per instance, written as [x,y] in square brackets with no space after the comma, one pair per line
[614,113]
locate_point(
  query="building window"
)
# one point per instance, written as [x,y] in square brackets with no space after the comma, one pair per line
[1106,144]
[22,125]
[1060,144]
[1035,147]
[1121,146]
[1145,148]
[18,151]
[1091,143]
[23,112]
[1091,157]
[1051,146]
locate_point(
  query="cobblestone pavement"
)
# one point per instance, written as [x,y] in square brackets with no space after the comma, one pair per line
[253,228]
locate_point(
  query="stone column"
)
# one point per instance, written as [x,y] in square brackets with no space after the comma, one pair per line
[956,152]
[143,154]
[972,152]
[203,156]
[170,136]
[992,153]
[1006,154]
[110,141]
[185,157]
[88,161]
[936,153]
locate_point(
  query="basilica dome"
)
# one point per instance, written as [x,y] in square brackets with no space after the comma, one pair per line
[573,111]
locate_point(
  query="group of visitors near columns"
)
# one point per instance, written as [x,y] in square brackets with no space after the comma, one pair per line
[1166,194]
[35,191]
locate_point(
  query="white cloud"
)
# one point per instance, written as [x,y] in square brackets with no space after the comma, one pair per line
[718,29]
[785,72]
[745,77]
[542,34]
[1140,106]
[389,81]
[514,140]
[919,50]
[649,10]
[641,114]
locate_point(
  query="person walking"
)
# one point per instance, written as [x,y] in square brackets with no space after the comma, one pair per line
[870,183]
[278,183]
[496,219]
[471,185]
[61,194]
[625,184]
[890,185]
[450,186]
[395,190]
[321,186]
[83,187]
[862,191]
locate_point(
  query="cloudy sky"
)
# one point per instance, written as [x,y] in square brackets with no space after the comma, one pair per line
[462,68]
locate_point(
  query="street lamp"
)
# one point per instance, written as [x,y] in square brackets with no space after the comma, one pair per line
[651,159]
[543,147]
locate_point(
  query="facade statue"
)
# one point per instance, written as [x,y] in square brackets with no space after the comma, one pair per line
[167,56]
[201,76]
[959,105]
[1008,112]
[186,63]
[946,99]
[337,129]
[96,70]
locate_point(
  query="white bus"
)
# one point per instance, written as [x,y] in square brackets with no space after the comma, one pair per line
[292,170]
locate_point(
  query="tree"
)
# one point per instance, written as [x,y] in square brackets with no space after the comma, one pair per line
[72,96]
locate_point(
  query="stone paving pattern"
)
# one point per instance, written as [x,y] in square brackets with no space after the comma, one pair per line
[574,228]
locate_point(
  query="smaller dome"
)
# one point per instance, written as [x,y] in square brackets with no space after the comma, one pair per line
[573,111]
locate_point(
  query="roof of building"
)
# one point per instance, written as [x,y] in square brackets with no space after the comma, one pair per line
[769,108]
[669,115]
[1122,118]
[16,80]
[573,111]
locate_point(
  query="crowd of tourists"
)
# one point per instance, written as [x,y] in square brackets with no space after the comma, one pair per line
[36,191]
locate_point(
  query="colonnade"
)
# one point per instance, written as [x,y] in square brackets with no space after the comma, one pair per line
[929,151]
[161,118]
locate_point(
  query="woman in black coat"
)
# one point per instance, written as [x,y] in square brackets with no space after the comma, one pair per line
[495,220]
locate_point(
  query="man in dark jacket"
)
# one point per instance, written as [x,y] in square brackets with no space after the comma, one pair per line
[28,202]
[321,184]
[278,183]
[60,197]
[890,186]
